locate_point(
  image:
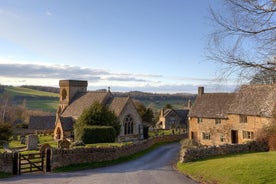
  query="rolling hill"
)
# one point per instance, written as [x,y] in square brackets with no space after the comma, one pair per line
[38,97]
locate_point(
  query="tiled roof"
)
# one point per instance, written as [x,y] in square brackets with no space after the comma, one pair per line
[67,123]
[117,105]
[212,105]
[83,101]
[257,100]
[42,122]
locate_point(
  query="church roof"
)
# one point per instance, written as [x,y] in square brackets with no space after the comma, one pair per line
[83,101]
[42,122]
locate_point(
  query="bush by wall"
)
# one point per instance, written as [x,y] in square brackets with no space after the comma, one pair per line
[98,134]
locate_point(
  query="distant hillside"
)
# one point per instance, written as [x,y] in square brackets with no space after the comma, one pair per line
[157,101]
[34,99]
[46,98]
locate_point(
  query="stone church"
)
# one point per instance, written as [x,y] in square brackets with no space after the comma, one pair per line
[74,98]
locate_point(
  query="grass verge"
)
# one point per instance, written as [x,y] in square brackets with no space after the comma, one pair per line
[93,165]
[238,168]
[5,175]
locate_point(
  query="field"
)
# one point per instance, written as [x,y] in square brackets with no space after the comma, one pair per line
[35,100]
[238,169]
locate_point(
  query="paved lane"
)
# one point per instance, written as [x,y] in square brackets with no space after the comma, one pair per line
[153,168]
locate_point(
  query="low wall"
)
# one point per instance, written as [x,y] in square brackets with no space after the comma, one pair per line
[6,162]
[65,157]
[194,154]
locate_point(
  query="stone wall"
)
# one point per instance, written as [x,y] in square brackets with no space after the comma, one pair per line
[6,162]
[198,153]
[65,157]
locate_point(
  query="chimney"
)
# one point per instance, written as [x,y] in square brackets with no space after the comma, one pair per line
[200,91]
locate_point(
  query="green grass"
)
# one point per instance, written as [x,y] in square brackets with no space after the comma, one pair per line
[239,168]
[45,101]
[28,92]
[5,175]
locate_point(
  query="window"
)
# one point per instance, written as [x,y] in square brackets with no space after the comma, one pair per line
[128,124]
[222,138]
[205,136]
[248,135]
[218,121]
[199,120]
[243,119]
[63,94]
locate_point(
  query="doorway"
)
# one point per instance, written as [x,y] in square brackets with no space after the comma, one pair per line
[234,137]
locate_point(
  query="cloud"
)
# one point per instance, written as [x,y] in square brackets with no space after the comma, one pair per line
[48,75]
[49,13]
[50,71]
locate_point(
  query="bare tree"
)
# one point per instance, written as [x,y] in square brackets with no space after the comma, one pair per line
[244,38]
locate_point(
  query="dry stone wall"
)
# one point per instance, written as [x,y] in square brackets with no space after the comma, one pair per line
[194,154]
[65,157]
[6,162]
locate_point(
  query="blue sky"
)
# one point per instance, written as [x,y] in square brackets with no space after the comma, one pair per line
[145,45]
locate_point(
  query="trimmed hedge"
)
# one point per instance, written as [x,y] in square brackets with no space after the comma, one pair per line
[98,134]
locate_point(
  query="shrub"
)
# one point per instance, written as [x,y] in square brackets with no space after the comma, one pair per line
[98,134]
[5,132]
[96,115]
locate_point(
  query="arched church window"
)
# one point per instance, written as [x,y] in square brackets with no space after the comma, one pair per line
[64,94]
[128,124]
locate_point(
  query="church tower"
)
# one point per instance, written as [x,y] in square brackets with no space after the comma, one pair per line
[67,90]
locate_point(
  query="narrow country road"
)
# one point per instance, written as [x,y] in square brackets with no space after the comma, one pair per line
[153,168]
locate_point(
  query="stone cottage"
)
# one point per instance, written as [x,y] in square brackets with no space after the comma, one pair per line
[220,118]
[173,118]
[74,98]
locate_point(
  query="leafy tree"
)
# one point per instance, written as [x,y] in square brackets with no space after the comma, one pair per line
[244,38]
[146,114]
[97,114]
[5,132]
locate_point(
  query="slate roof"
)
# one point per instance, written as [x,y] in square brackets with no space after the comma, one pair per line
[118,103]
[212,105]
[42,122]
[83,101]
[257,100]
[67,123]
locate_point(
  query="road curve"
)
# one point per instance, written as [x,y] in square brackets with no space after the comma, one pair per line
[153,168]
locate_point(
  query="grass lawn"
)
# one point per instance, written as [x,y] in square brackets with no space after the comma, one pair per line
[239,168]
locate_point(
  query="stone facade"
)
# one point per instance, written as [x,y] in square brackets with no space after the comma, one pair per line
[231,118]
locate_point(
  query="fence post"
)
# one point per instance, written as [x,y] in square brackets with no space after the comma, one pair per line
[15,164]
[48,160]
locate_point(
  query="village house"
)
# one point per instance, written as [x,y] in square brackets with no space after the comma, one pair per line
[174,118]
[74,98]
[220,118]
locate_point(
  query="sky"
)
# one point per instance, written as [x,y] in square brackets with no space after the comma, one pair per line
[154,46]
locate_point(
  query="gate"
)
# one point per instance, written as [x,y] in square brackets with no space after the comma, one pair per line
[32,162]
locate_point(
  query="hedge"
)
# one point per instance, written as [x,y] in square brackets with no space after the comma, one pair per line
[98,134]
